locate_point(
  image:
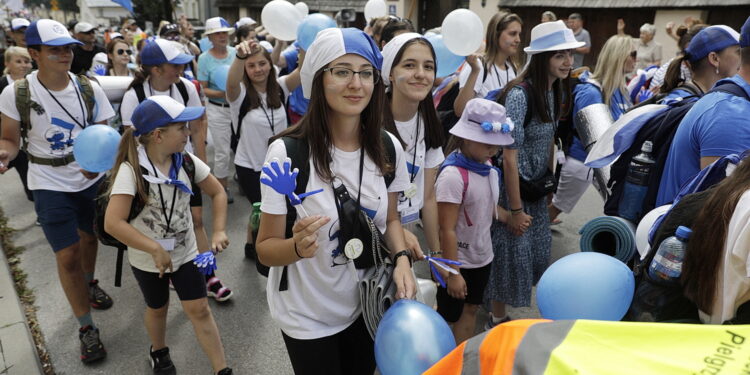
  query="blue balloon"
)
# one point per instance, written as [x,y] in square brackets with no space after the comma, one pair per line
[95,148]
[219,77]
[310,26]
[447,61]
[411,338]
[585,286]
[205,44]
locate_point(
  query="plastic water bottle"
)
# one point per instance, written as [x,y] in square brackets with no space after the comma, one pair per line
[667,263]
[255,219]
[636,184]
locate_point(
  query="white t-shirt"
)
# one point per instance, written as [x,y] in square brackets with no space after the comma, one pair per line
[130,101]
[53,132]
[496,78]
[733,279]
[474,241]
[417,159]
[256,128]
[323,296]
[151,221]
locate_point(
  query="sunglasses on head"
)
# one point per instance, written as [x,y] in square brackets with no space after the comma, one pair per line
[121,51]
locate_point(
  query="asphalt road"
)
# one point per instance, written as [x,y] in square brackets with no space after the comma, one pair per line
[252,342]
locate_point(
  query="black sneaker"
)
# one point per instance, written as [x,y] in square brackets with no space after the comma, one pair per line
[230,196]
[99,299]
[225,371]
[250,252]
[161,363]
[92,349]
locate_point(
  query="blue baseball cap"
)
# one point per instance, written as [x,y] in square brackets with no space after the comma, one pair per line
[161,51]
[47,32]
[711,39]
[745,34]
[159,111]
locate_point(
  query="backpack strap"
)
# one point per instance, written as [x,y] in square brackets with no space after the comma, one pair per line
[183,91]
[390,156]
[189,166]
[465,178]
[23,105]
[87,91]
[140,92]
[731,88]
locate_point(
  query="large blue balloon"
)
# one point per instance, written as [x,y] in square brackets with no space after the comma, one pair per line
[585,286]
[219,77]
[310,26]
[447,61]
[411,338]
[205,44]
[95,148]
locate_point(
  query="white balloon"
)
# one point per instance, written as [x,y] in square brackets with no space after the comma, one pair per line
[303,9]
[281,19]
[463,32]
[375,9]
[644,227]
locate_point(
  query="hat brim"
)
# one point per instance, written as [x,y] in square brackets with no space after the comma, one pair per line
[181,59]
[190,114]
[219,30]
[64,41]
[19,28]
[559,47]
[476,134]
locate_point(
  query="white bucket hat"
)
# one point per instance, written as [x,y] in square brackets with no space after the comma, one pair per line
[217,25]
[552,36]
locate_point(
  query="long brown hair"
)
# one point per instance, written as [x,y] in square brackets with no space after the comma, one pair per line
[537,74]
[498,23]
[315,129]
[706,245]
[433,129]
[127,151]
[273,96]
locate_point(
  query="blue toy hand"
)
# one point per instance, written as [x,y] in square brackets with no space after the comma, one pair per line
[283,182]
[206,262]
[447,261]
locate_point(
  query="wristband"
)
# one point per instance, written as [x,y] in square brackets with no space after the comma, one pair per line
[236,55]
[295,250]
[401,253]
[516,211]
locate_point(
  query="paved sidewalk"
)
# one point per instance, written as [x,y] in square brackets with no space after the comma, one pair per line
[252,342]
[17,351]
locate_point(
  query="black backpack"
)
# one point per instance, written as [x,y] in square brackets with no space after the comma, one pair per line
[660,130]
[100,208]
[687,86]
[140,92]
[298,151]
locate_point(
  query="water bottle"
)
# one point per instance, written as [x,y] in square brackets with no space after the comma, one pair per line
[666,266]
[636,184]
[255,219]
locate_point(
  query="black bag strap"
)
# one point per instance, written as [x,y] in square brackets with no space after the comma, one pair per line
[731,88]
[183,92]
[140,92]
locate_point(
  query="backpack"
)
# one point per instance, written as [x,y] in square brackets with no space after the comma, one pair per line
[102,201]
[24,105]
[656,99]
[140,92]
[244,109]
[298,151]
[660,130]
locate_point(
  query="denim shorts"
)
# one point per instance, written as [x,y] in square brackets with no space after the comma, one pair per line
[62,214]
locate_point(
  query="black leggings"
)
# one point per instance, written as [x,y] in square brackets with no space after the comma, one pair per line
[349,352]
[249,181]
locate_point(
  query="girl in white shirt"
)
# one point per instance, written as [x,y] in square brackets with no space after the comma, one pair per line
[160,239]
[312,286]
[252,83]
[491,72]
[409,71]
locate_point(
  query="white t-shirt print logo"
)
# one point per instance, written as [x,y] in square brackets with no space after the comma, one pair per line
[56,136]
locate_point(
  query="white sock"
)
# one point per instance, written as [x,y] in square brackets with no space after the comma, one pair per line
[496,319]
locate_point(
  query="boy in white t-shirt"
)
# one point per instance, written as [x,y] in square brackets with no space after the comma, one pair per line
[63,192]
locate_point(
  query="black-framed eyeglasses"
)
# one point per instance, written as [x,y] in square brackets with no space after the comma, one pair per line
[121,51]
[345,75]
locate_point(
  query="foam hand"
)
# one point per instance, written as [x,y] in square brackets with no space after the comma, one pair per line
[283,180]
[206,262]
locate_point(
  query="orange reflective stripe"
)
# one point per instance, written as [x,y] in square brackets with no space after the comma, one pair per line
[451,364]
[498,351]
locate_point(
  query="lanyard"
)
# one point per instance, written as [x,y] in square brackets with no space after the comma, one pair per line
[80,103]
[269,119]
[168,218]
[413,172]
[497,75]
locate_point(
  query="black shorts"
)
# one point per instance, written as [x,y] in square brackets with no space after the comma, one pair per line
[189,283]
[249,181]
[197,199]
[476,280]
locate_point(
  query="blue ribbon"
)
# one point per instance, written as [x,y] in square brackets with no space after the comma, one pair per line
[458,159]
[550,40]
[174,174]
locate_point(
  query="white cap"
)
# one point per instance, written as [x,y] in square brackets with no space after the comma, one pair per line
[391,50]
[245,21]
[83,27]
[18,23]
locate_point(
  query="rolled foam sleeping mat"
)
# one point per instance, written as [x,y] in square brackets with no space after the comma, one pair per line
[609,235]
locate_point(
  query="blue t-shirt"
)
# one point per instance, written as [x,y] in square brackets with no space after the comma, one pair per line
[206,66]
[717,125]
[586,94]
[291,55]
[297,102]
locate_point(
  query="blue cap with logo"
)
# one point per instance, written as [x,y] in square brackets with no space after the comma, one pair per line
[159,111]
[745,34]
[161,51]
[47,32]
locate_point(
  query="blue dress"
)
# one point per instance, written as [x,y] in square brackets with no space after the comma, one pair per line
[520,260]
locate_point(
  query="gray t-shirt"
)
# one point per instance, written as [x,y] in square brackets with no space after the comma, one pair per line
[582,36]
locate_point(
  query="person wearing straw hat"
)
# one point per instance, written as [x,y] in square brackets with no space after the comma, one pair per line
[217,110]
[318,304]
[534,101]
